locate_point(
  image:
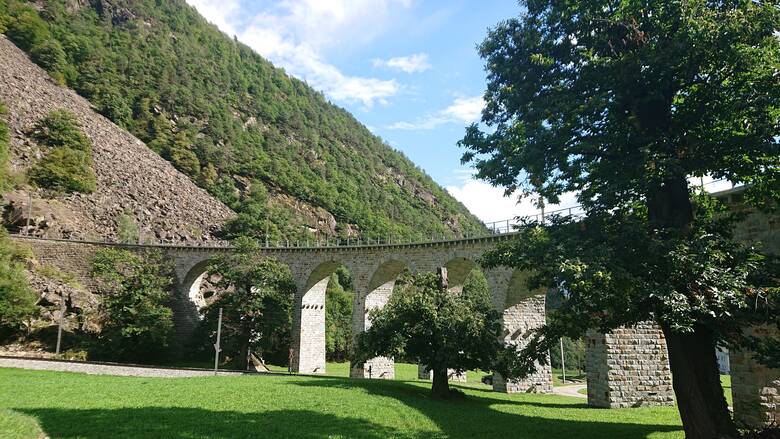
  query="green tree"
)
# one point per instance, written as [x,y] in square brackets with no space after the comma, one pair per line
[136,314]
[68,166]
[17,300]
[338,315]
[426,323]
[621,103]
[65,170]
[61,128]
[256,302]
[127,229]
[4,151]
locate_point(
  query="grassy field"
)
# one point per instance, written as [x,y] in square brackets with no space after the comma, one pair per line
[66,405]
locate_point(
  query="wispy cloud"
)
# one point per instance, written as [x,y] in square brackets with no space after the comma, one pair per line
[295,34]
[462,110]
[410,64]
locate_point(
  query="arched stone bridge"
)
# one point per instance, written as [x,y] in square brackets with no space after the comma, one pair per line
[374,269]
[628,367]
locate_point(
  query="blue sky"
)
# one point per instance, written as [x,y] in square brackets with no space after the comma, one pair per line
[408,69]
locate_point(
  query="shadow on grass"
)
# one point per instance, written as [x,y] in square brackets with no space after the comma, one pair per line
[181,423]
[482,416]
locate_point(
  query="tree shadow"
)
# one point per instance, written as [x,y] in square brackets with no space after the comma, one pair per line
[181,423]
[482,416]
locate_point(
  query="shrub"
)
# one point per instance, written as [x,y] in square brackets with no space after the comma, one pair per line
[17,300]
[61,128]
[68,167]
[136,314]
[128,231]
[4,152]
[65,170]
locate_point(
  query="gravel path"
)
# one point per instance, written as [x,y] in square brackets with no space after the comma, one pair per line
[570,390]
[105,369]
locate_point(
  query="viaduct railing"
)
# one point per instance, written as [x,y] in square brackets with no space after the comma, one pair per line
[494,229]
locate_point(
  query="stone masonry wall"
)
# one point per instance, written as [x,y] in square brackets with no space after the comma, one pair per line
[755,389]
[629,367]
[518,321]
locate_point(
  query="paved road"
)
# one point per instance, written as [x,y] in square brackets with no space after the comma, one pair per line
[105,369]
[572,390]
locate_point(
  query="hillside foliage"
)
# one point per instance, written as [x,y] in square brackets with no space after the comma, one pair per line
[67,165]
[228,118]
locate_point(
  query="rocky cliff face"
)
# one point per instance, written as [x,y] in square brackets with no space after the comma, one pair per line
[131,179]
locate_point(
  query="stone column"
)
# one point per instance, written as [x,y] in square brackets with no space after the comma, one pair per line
[377,367]
[518,320]
[308,329]
[629,367]
[755,389]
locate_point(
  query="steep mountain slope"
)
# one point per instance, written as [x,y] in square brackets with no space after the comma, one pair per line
[131,179]
[267,145]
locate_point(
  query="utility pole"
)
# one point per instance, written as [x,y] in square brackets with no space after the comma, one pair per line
[216,345]
[563,361]
[62,320]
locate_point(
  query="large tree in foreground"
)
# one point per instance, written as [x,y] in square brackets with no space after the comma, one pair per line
[429,324]
[622,102]
[256,300]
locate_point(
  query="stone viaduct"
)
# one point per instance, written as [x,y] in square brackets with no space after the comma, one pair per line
[626,368]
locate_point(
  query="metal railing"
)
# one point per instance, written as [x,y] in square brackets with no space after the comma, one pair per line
[494,228]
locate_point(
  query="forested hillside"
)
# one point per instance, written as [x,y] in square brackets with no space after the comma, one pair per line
[270,147]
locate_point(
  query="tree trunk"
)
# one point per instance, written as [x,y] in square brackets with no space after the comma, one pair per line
[243,354]
[441,385]
[696,380]
[695,375]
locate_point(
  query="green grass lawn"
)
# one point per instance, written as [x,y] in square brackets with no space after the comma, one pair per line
[68,405]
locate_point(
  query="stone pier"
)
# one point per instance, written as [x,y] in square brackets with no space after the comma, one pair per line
[628,367]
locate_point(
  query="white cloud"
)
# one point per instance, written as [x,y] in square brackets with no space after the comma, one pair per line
[466,110]
[296,34]
[410,64]
[462,110]
[489,204]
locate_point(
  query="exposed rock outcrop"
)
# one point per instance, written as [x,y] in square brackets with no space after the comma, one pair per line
[131,179]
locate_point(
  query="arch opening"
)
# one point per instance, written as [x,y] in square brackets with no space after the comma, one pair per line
[380,289]
[322,318]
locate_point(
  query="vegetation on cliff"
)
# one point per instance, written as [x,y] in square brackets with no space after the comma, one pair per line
[67,166]
[17,300]
[232,121]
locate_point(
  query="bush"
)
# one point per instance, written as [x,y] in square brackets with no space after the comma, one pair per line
[68,167]
[65,170]
[136,313]
[4,152]
[17,300]
[60,128]
[128,231]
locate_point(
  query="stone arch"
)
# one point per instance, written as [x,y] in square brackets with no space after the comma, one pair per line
[458,270]
[188,300]
[523,311]
[379,289]
[308,350]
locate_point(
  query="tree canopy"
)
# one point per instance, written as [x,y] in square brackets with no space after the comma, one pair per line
[426,323]
[256,295]
[621,103]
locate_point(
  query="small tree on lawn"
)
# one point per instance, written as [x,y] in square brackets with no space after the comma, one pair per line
[256,302]
[621,103]
[443,330]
